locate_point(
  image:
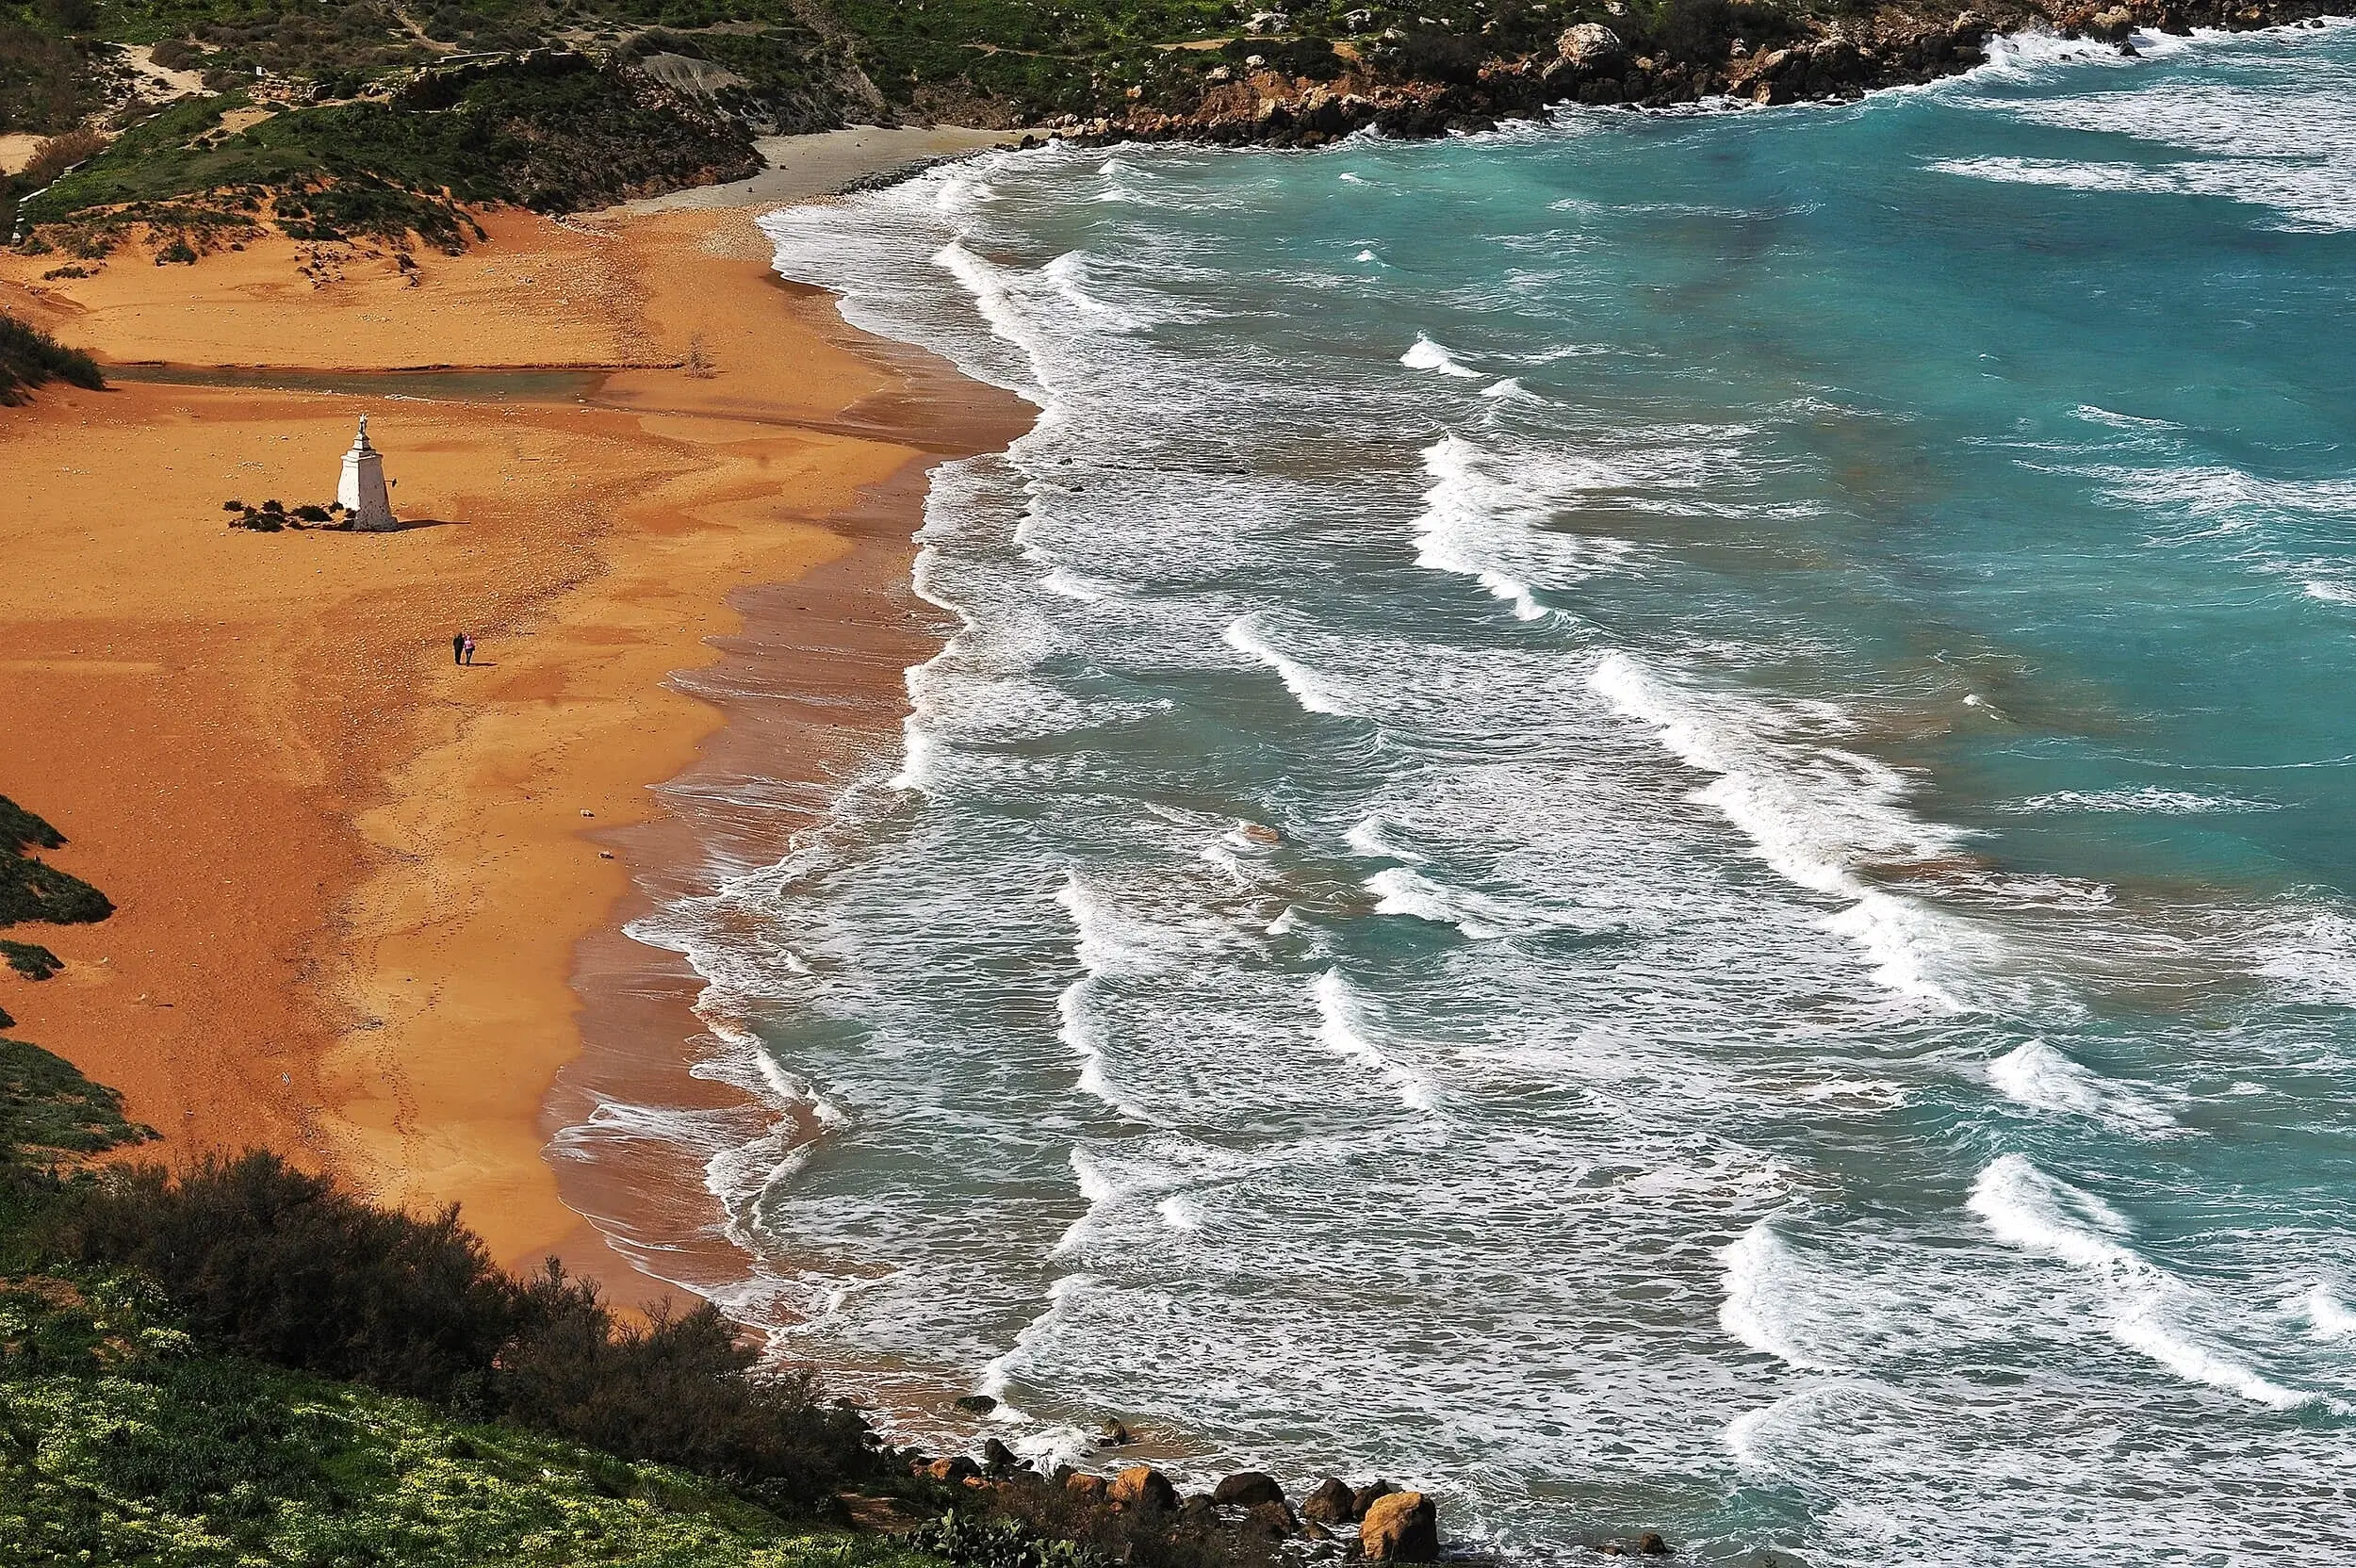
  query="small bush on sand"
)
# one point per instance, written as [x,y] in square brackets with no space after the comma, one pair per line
[29,356]
[30,960]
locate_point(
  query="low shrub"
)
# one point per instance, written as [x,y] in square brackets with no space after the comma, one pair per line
[31,889]
[47,1108]
[30,960]
[276,1264]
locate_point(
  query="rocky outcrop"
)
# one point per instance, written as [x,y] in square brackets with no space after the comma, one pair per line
[1400,1528]
[1429,86]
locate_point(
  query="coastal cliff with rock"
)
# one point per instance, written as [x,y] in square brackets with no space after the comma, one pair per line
[175,131]
[1726,55]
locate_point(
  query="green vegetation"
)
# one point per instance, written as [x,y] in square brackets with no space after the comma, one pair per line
[553,132]
[47,1108]
[30,960]
[123,1441]
[28,357]
[30,890]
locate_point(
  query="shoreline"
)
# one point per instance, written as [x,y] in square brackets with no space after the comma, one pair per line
[411,881]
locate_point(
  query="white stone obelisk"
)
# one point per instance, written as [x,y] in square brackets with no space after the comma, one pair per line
[362,489]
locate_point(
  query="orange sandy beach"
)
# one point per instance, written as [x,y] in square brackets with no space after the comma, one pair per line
[356,884]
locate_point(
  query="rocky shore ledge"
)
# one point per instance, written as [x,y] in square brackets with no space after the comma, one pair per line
[1410,85]
[1247,1517]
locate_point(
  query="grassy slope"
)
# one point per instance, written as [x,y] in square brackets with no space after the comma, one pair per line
[168,1459]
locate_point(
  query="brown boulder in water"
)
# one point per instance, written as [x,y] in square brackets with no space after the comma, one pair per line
[1651,1545]
[1368,1496]
[1401,1528]
[1247,1489]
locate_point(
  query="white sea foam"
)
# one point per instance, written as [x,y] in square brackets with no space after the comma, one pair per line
[1349,1025]
[2035,1074]
[2144,799]
[1182,1211]
[2283,140]
[1511,388]
[2330,591]
[1069,272]
[1311,688]
[1400,891]
[1065,583]
[1367,836]
[2310,954]
[2144,1307]
[1484,521]
[1763,1280]
[1428,355]
[1812,814]
[2328,1317]
[1085,1037]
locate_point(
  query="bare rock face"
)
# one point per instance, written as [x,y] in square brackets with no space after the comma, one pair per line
[1651,1545]
[956,1470]
[1142,1487]
[1086,1487]
[1401,1528]
[1273,1520]
[2112,25]
[1332,1503]
[1591,46]
[997,1458]
[1367,1496]
[1247,1489]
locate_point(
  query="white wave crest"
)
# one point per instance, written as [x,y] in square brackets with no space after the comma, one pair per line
[2035,1074]
[2328,1317]
[1484,521]
[1312,690]
[2148,799]
[1348,1026]
[1812,814]
[1761,1280]
[1428,355]
[2143,1305]
[1400,890]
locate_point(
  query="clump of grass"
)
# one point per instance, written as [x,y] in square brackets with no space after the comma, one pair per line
[29,356]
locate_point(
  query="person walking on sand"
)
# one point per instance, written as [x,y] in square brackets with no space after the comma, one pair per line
[457,648]
[469,650]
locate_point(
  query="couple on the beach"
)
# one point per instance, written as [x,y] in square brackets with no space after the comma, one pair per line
[461,648]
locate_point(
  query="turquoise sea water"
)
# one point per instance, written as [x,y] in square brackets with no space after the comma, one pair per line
[1647,820]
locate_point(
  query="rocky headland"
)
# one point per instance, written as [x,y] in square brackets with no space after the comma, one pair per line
[1426,85]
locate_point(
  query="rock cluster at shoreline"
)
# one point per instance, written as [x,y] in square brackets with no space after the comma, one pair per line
[1593,64]
[1247,1513]
[1376,1521]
